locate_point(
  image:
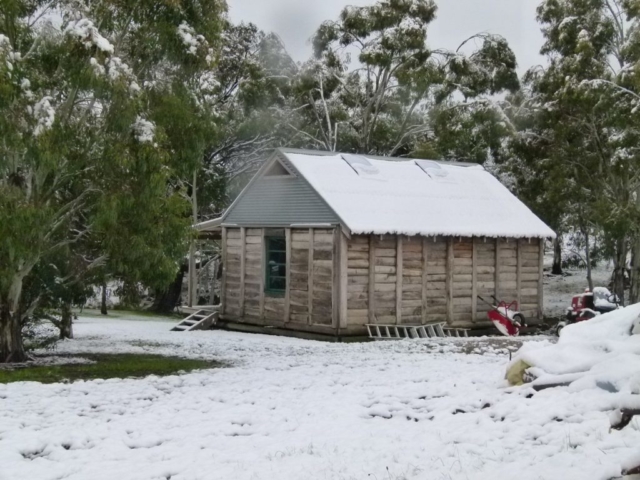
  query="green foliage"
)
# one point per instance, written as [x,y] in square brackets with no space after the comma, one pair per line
[100,122]
[575,157]
[385,104]
[469,133]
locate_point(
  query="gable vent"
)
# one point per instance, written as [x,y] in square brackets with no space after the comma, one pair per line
[277,170]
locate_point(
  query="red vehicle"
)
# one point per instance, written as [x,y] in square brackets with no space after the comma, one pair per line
[505,317]
[588,305]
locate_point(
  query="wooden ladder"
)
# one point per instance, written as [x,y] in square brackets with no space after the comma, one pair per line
[397,332]
[200,320]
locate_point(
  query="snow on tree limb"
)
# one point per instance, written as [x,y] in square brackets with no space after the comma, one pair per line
[86,32]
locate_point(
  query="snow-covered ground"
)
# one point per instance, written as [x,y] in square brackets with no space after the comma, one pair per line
[295,409]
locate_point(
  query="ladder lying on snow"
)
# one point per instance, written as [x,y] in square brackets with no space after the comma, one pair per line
[397,332]
[200,320]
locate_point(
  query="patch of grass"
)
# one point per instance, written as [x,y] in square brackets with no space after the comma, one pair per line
[106,366]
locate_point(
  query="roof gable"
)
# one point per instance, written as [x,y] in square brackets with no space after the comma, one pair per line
[278,196]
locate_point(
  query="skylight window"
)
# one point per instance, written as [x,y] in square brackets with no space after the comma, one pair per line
[361,165]
[435,171]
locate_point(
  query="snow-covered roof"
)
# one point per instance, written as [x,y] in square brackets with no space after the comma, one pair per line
[415,197]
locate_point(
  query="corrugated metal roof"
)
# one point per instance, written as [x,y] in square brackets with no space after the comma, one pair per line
[398,196]
[460,199]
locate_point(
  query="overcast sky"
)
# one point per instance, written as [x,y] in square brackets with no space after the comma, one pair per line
[296,20]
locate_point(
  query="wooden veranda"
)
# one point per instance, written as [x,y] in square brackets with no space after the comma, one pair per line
[210,231]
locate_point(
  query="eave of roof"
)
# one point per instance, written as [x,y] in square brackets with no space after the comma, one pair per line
[209,225]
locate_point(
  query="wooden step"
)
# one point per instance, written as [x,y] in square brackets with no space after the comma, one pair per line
[199,320]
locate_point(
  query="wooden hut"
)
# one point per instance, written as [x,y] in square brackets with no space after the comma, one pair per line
[326,243]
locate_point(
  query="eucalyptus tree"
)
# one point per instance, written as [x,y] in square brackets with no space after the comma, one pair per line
[89,93]
[584,136]
[252,78]
[380,104]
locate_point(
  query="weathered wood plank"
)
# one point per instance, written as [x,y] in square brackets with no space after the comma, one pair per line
[385,261]
[540,275]
[386,278]
[223,287]
[372,280]
[519,272]
[310,274]
[399,267]
[262,275]
[358,272]
[322,254]
[385,287]
[243,252]
[497,270]
[253,241]
[335,290]
[342,297]
[474,282]
[324,236]
[386,252]
[358,280]
[287,290]
[358,255]
[425,278]
[359,263]
[299,245]
[235,243]
[450,263]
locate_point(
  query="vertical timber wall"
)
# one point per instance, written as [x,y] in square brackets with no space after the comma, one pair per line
[310,300]
[337,285]
[419,280]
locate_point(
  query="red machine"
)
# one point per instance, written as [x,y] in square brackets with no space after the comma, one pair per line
[588,305]
[505,316]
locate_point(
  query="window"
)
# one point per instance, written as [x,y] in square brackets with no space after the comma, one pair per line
[361,165]
[435,171]
[276,268]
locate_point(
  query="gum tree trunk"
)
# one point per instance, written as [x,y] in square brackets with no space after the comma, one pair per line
[66,322]
[556,269]
[103,303]
[587,247]
[634,290]
[11,345]
[619,266]
[167,300]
